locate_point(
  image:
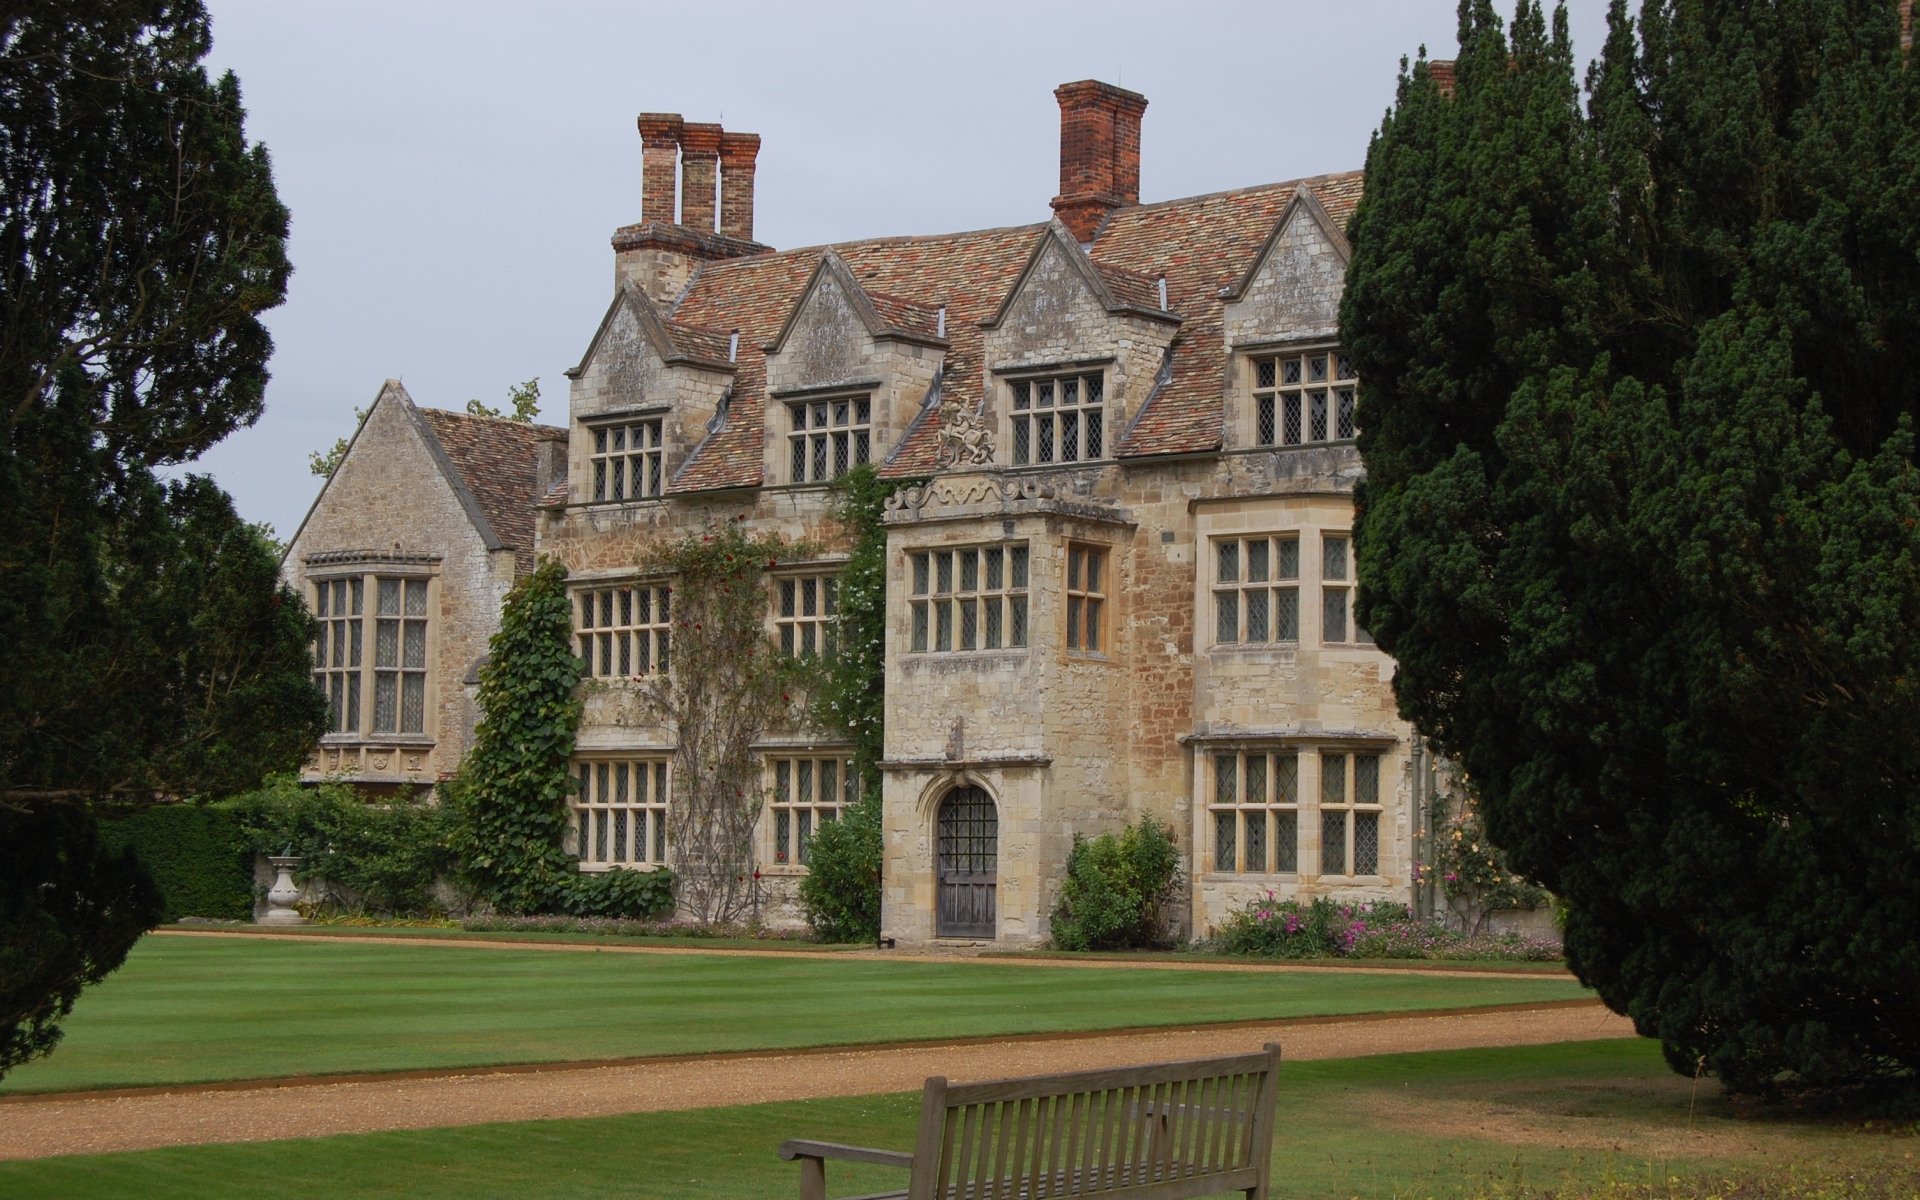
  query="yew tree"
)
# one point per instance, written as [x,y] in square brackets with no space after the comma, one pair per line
[150,651]
[1641,525]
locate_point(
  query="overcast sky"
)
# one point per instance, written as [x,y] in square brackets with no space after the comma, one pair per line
[455,170]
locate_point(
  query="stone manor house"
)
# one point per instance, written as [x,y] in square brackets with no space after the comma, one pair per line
[1126,586]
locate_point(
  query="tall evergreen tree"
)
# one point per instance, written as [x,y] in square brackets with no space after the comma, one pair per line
[1641,523]
[150,650]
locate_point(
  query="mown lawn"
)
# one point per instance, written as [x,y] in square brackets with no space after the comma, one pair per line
[1415,1125]
[197,1009]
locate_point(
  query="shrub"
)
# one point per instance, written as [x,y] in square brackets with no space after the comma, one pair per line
[841,895]
[1117,888]
[380,855]
[623,894]
[197,855]
[1270,928]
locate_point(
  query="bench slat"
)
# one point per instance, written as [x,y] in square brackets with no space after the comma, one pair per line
[1102,1080]
[1168,1131]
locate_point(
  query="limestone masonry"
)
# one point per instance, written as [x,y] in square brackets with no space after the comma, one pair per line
[1121,584]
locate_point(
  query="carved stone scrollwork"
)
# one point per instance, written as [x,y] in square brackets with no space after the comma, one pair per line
[969,489]
[964,440]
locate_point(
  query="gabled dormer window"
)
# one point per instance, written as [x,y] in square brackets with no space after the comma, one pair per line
[628,462]
[1303,398]
[1059,420]
[828,438]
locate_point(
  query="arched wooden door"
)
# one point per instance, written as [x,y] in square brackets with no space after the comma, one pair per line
[968,864]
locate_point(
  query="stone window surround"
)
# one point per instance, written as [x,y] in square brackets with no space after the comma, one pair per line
[606,420]
[1311,588]
[777,430]
[1245,415]
[826,574]
[1308,746]
[329,565]
[788,747]
[1006,376]
[643,841]
[804,811]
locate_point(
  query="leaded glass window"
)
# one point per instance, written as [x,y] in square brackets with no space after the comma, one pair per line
[620,811]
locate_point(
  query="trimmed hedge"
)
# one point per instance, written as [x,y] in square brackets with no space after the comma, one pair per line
[199,857]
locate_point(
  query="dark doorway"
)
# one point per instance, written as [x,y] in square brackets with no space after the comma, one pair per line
[968,864]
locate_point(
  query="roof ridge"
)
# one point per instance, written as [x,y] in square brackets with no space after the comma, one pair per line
[467,416]
[1248,189]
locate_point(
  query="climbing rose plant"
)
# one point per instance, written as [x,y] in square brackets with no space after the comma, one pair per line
[727,687]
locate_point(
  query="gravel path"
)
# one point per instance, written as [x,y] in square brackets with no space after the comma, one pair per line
[917,954]
[39,1128]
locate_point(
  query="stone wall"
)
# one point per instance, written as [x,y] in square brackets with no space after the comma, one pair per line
[389,510]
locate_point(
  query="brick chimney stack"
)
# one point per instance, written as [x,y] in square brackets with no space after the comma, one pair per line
[699,167]
[660,149]
[737,154]
[1099,153]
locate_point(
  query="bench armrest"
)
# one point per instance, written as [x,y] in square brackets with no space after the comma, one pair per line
[801,1148]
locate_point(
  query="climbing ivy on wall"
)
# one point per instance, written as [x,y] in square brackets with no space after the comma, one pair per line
[841,894]
[513,786]
[851,697]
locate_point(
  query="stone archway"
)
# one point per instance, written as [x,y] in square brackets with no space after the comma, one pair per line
[966,864]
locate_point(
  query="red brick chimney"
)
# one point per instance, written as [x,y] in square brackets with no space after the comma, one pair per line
[660,147]
[1099,153]
[1440,70]
[737,154]
[699,168]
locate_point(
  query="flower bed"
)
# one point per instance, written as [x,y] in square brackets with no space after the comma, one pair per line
[1270,928]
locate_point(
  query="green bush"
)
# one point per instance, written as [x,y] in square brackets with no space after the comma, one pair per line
[198,856]
[629,895]
[841,894]
[380,855]
[1116,889]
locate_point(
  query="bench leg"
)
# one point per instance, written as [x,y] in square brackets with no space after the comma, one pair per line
[813,1179]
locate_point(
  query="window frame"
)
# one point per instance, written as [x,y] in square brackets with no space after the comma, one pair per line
[1089,596]
[1239,593]
[805,611]
[1089,428]
[1278,807]
[1341,590]
[603,461]
[1291,401]
[627,830]
[616,640]
[938,598]
[793,820]
[1351,807]
[386,696]
[820,452]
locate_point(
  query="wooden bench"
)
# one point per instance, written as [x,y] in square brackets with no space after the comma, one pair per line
[1163,1132]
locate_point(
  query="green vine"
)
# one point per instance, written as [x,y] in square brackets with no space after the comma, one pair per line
[841,894]
[852,697]
[513,787]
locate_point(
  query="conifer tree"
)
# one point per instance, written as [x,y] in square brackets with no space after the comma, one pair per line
[1641,524]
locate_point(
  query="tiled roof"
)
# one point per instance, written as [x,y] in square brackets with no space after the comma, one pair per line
[709,344]
[1199,245]
[497,460]
[966,272]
